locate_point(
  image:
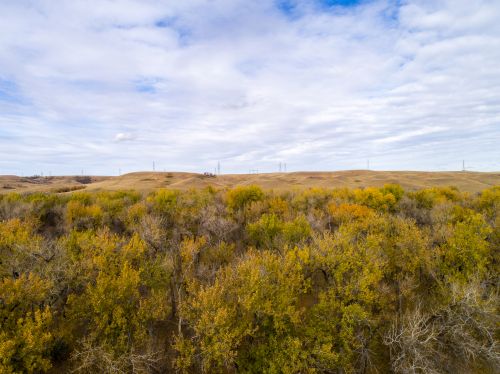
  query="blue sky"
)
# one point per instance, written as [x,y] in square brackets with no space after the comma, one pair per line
[319,84]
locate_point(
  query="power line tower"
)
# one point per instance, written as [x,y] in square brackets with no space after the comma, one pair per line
[153,166]
[218,167]
[463,165]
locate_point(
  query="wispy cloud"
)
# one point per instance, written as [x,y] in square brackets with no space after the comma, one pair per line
[316,84]
[124,137]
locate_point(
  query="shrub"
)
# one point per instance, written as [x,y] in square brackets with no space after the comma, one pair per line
[240,197]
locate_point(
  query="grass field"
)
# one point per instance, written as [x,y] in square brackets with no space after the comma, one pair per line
[147,181]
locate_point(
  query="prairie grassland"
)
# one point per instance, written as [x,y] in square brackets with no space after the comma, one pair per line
[148,181]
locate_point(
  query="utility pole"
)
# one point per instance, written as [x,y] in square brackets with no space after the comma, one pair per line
[285,167]
[280,167]
[218,167]
[119,171]
[463,165]
[153,166]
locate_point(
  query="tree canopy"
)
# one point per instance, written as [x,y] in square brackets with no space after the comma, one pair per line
[373,280]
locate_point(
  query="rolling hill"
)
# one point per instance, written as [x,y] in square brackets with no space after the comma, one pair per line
[147,181]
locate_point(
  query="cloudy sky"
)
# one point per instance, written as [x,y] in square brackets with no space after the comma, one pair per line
[319,84]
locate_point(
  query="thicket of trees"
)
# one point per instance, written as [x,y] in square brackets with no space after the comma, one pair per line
[373,280]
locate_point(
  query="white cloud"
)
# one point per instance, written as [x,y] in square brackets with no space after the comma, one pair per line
[124,137]
[243,83]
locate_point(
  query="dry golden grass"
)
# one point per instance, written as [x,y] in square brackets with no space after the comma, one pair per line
[147,181]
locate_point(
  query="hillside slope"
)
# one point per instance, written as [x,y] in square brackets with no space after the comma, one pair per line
[147,181]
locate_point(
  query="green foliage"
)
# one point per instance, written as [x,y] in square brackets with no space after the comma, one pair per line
[120,306]
[248,305]
[271,232]
[263,232]
[246,280]
[466,253]
[429,197]
[164,201]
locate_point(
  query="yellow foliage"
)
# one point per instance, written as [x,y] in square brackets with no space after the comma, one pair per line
[241,197]
[375,198]
[249,281]
[467,252]
[82,217]
[25,334]
[348,212]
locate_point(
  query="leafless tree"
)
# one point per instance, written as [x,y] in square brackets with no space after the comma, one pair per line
[96,359]
[452,339]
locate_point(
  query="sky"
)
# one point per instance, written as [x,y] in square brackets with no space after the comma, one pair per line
[102,86]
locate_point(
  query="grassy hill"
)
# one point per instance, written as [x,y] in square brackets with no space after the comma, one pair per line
[147,181]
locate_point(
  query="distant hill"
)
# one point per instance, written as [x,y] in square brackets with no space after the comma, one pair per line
[147,181]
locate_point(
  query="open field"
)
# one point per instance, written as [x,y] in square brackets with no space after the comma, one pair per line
[147,181]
